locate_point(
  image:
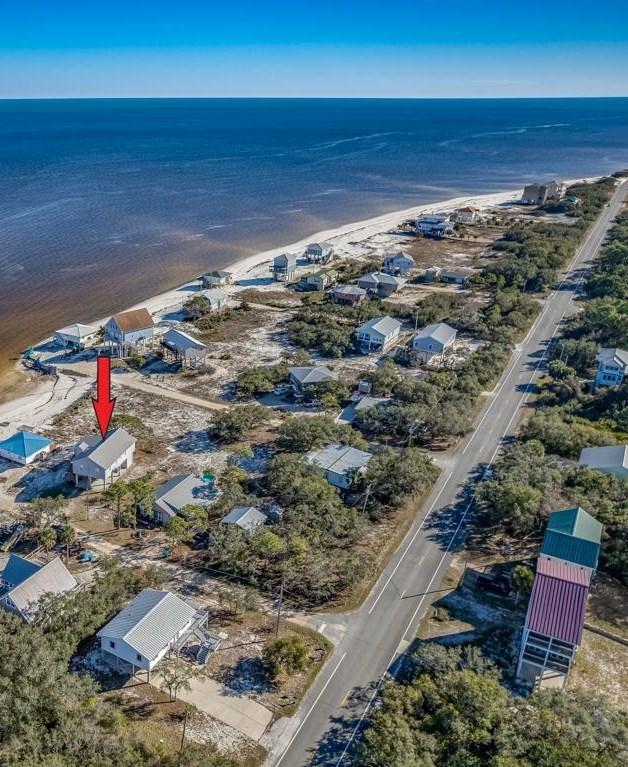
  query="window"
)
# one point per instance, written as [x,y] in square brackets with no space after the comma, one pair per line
[112,644]
[138,657]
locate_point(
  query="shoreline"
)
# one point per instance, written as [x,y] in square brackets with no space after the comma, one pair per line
[47,398]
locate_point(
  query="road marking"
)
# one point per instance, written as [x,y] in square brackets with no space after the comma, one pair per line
[305,718]
[417,531]
[346,698]
[322,628]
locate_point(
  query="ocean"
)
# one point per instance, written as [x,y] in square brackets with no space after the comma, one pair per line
[105,202]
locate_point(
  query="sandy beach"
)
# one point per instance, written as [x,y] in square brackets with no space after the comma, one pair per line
[44,398]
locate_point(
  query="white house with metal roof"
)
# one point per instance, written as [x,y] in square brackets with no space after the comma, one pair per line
[149,627]
[378,334]
[319,252]
[215,298]
[611,459]
[434,225]
[342,464]
[303,377]
[432,340]
[98,462]
[612,366]
[186,349]
[399,263]
[284,267]
[23,583]
[76,335]
[381,284]
[247,518]
[24,447]
[176,493]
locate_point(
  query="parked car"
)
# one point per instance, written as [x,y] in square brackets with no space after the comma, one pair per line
[497,584]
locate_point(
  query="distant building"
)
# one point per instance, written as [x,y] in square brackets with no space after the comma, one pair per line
[612,367]
[23,583]
[76,336]
[247,518]
[176,493]
[350,412]
[348,294]
[342,464]
[319,252]
[454,278]
[400,263]
[319,280]
[466,215]
[284,267]
[215,298]
[433,340]
[611,459]
[216,279]
[539,194]
[378,334]
[98,462]
[127,332]
[302,378]
[186,349]
[24,447]
[435,225]
[432,273]
[381,284]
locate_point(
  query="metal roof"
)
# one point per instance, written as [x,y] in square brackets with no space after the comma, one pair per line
[15,569]
[557,608]
[77,330]
[386,326]
[181,341]
[563,571]
[570,548]
[577,522]
[51,578]
[133,320]
[382,277]
[150,622]
[339,459]
[215,295]
[179,491]
[618,356]
[399,254]
[287,259]
[607,457]
[246,517]
[351,290]
[313,374]
[104,452]
[438,331]
[322,245]
[24,443]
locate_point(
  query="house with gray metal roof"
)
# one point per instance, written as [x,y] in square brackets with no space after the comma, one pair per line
[151,625]
[399,263]
[98,462]
[215,298]
[76,336]
[284,267]
[178,492]
[381,284]
[247,518]
[349,413]
[433,340]
[216,278]
[611,459]
[348,294]
[186,349]
[378,334]
[342,464]
[23,583]
[302,378]
[319,252]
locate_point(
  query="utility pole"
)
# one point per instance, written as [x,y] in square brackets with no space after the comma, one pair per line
[280,605]
[366,498]
[185,724]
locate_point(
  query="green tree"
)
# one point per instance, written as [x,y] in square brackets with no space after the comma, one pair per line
[285,654]
[177,529]
[237,422]
[47,538]
[522,579]
[67,536]
[116,495]
[176,674]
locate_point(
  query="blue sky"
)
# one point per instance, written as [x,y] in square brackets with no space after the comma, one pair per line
[64,48]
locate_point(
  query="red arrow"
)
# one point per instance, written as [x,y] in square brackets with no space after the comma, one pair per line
[103,404]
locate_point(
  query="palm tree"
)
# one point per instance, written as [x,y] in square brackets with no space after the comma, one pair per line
[67,536]
[47,538]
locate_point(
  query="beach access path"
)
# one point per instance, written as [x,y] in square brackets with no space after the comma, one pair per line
[371,639]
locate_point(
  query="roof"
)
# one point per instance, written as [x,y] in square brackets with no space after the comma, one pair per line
[135,319]
[349,290]
[150,622]
[177,492]
[433,218]
[367,402]
[104,452]
[217,273]
[290,259]
[618,356]
[246,517]
[384,325]
[454,273]
[215,295]
[439,331]
[313,374]
[24,443]
[51,578]
[577,522]
[468,209]
[557,608]
[77,330]
[563,571]
[399,254]
[340,459]
[15,569]
[382,277]
[182,341]
[322,245]
[609,456]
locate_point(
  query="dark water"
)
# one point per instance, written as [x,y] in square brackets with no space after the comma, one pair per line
[105,202]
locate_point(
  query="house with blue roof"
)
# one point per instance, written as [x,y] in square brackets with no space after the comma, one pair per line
[24,447]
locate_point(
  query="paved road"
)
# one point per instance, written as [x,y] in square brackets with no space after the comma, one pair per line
[336,705]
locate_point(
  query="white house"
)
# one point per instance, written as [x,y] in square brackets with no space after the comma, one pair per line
[454,277]
[127,331]
[77,335]
[186,349]
[176,493]
[319,252]
[466,215]
[432,340]
[98,462]
[378,334]
[612,367]
[151,625]
[539,194]
[215,298]
[24,447]
[216,279]
[341,464]
[284,267]
[432,273]
[23,583]
[611,459]
[434,225]
[399,263]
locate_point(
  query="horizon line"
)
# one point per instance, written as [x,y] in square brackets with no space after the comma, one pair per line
[310,98]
